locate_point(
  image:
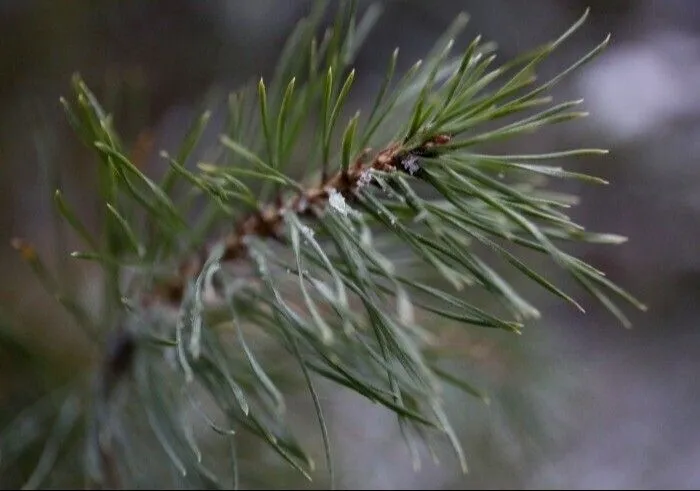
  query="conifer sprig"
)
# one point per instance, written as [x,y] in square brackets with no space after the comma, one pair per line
[311,263]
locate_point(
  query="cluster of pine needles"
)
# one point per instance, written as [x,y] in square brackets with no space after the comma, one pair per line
[249,255]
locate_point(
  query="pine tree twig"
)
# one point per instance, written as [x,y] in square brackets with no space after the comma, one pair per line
[316,281]
[310,203]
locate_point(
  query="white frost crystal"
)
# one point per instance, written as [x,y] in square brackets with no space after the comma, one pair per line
[338,203]
[303,205]
[410,163]
[364,178]
[307,231]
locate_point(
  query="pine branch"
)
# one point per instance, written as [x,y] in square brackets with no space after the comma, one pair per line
[267,221]
[305,263]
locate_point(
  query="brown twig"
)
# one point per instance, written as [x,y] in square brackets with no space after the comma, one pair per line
[266,222]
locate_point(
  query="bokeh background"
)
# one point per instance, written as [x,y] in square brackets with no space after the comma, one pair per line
[578,401]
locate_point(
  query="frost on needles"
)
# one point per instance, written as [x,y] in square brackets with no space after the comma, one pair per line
[310,264]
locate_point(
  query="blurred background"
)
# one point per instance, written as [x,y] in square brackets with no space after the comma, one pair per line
[577,401]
